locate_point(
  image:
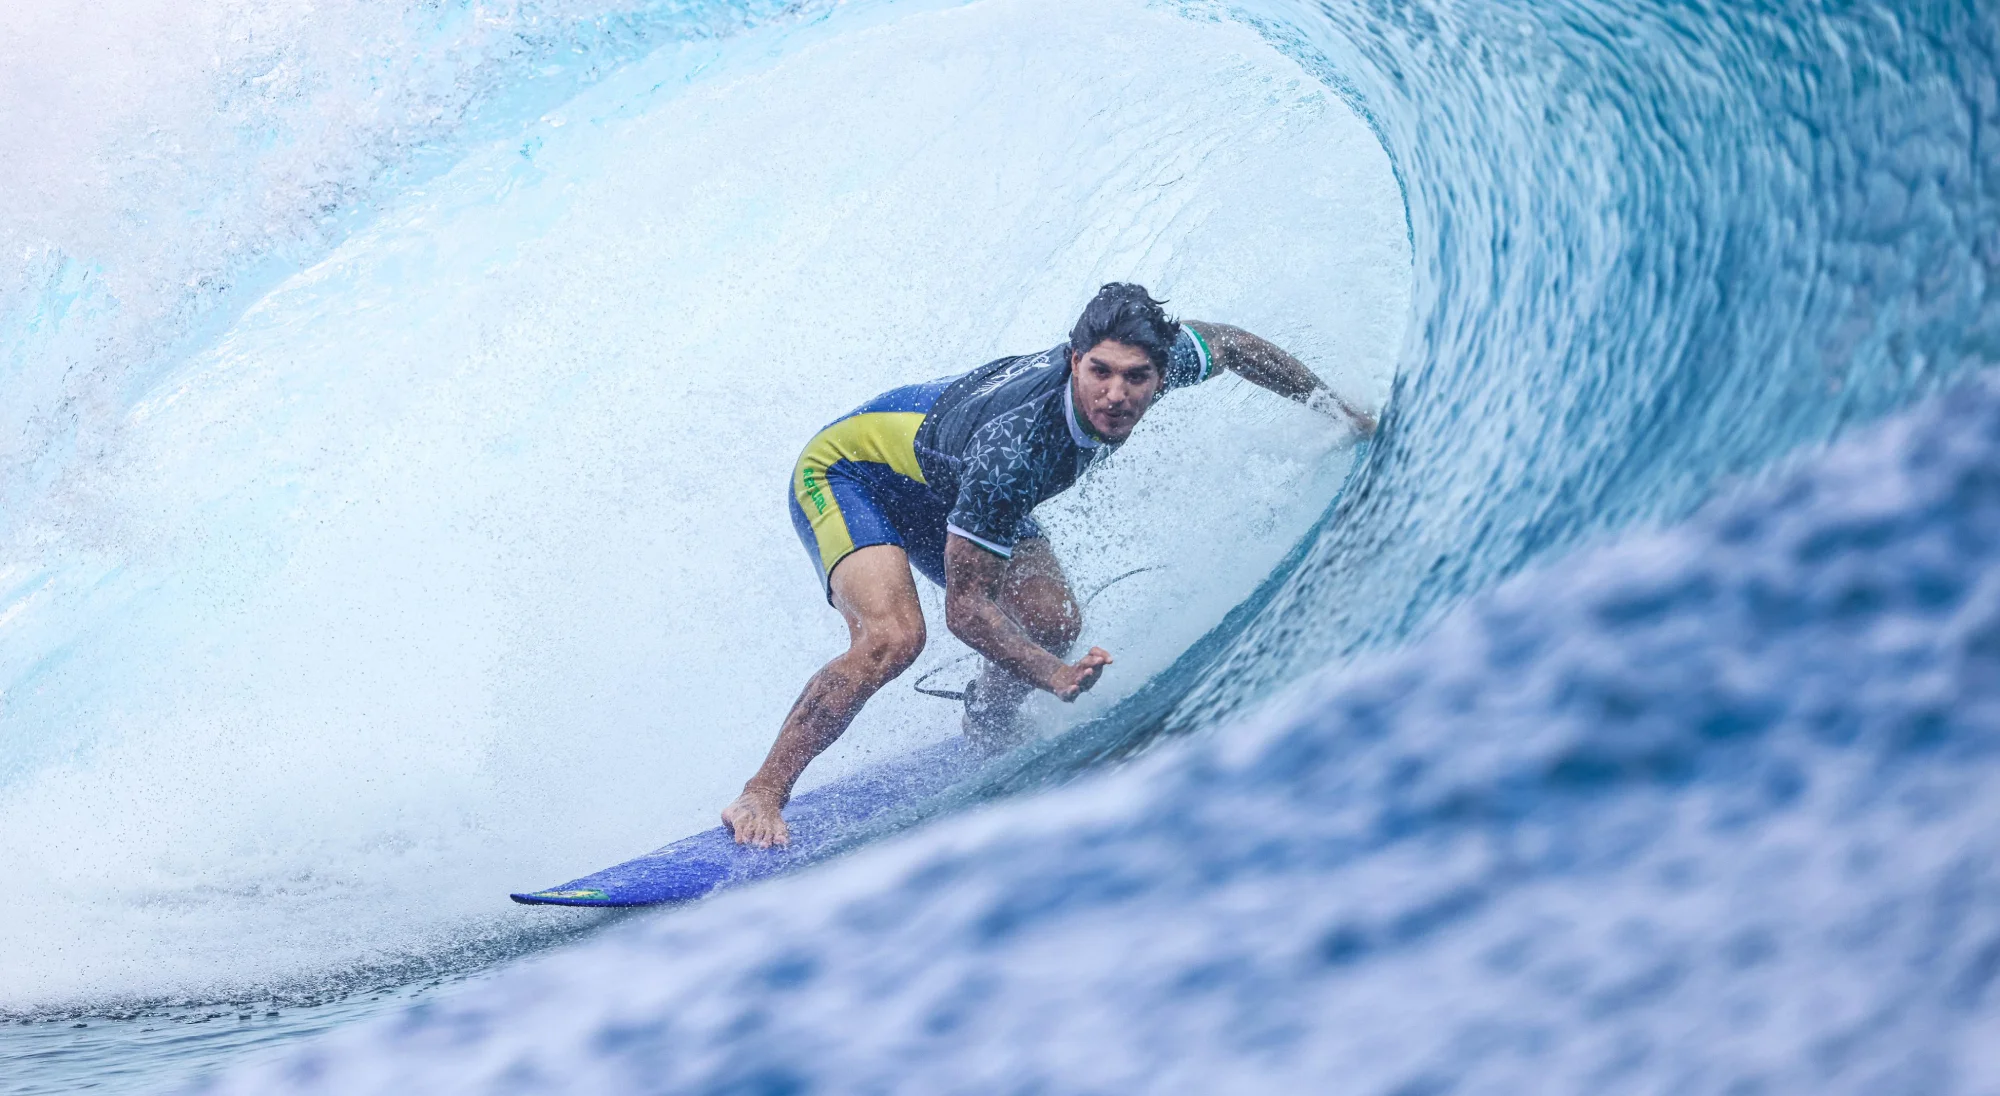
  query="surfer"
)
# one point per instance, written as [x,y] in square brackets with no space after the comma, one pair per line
[943,477]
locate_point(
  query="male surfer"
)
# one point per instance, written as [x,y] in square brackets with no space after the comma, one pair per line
[943,477]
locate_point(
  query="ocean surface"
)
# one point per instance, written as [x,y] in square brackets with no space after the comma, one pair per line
[395,400]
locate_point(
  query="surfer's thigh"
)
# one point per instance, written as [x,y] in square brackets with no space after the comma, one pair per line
[877,596]
[1037,594]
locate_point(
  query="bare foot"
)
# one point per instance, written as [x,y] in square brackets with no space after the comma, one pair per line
[757,818]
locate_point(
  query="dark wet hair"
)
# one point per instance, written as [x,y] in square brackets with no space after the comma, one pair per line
[1126,313]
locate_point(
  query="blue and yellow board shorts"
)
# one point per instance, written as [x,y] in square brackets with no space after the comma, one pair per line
[858,484]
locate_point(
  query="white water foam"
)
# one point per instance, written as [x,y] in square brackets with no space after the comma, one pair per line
[163,159]
[459,564]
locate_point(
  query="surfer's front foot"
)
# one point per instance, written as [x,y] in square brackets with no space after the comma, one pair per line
[757,818]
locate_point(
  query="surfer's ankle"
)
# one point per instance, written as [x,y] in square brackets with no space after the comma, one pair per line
[992,720]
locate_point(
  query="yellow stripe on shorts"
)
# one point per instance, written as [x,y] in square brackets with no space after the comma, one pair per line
[873,437]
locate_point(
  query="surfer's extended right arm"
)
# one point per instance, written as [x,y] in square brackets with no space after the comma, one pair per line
[972,612]
[1267,365]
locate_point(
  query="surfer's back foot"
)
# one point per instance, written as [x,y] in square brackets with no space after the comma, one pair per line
[993,710]
[757,818]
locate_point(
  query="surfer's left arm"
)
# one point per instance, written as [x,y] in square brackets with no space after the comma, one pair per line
[1266,365]
[972,579]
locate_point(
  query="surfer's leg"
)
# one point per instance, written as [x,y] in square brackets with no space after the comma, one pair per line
[1037,595]
[874,590]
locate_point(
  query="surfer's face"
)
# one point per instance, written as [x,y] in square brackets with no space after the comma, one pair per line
[1115,384]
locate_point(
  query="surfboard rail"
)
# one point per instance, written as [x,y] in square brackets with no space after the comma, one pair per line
[700,864]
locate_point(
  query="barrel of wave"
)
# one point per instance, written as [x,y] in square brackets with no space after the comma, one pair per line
[460,560]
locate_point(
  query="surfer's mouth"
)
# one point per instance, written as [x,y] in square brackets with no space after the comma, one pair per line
[1114,428]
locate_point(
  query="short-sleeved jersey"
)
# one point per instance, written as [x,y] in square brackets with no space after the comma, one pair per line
[1006,437]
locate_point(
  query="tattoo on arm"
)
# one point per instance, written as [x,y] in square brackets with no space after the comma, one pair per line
[1269,367]
[972,612]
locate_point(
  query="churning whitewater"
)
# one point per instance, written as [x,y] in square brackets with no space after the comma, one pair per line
[398,400]
[459,560]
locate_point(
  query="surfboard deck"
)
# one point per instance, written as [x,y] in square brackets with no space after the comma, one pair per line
[709,861]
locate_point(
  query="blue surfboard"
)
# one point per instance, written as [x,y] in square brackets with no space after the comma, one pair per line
[709,861]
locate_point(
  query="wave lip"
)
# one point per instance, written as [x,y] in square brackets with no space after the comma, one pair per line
[1702,810]
[1655,249]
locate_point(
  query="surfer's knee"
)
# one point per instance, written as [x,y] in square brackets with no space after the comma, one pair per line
[1061,627]
[887,648]
[1053,622]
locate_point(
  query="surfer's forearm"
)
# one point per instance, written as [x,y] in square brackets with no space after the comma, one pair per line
[1268,366]
[972,612]
[982,625]
[1258,360]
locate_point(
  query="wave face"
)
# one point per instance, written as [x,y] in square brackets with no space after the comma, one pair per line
[1707,811]
[382,578]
